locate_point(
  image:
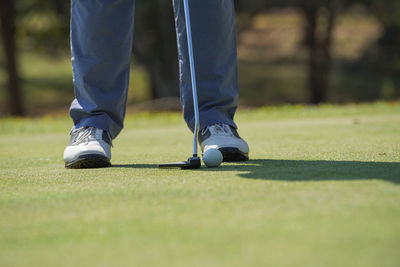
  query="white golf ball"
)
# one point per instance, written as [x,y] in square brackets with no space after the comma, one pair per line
[212,157]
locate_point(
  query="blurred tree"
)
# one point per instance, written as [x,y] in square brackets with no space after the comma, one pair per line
[382,59]
[8,30]
[155,46]
[320,18]
[319,22]
[46,34]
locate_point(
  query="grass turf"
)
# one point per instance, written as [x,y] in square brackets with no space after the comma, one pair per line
[321,189]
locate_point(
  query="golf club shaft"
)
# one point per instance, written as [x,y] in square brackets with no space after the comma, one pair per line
[193,76]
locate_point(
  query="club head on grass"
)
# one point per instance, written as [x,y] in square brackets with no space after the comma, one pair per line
[190,164]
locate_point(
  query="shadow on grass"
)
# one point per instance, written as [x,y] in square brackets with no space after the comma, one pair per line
[301,170]
[317,170]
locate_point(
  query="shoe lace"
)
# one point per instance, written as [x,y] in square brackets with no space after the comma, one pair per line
[218,129]
[83,135]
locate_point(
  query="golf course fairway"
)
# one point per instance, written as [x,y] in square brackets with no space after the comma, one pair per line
[322,188]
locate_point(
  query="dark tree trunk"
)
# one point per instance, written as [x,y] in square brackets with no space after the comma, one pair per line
[318,39]
[155,46]
[7,17]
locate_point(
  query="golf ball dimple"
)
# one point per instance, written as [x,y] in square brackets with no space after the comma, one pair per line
[212,157]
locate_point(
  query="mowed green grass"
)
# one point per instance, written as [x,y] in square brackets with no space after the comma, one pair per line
[322,188]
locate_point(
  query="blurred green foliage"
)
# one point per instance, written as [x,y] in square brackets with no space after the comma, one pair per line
[43,25]
[359,58]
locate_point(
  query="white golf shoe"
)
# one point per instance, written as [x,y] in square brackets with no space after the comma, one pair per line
[89,147]
[226,139]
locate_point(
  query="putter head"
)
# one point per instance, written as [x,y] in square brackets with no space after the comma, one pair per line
[190,164]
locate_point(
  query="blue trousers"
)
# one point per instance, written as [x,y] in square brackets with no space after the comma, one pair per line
[101,45]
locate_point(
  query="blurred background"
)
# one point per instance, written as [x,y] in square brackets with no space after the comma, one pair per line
[290,52]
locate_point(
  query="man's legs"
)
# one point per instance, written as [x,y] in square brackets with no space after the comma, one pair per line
[215,56]
[214,45]
[101,45]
